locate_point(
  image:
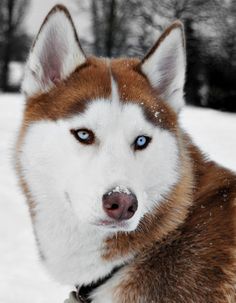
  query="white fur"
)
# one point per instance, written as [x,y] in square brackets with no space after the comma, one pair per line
[56,52]
[68,179]
[165,68]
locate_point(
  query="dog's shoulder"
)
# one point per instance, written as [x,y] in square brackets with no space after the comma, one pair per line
[214,200]
[214,196]
[207,239]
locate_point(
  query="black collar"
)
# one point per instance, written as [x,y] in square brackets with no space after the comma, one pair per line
[84,291]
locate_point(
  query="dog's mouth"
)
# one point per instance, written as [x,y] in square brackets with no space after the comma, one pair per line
[111,224]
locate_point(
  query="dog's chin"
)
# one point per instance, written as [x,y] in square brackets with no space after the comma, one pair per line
[116,226]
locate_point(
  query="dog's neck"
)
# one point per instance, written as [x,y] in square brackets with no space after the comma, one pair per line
[84,291]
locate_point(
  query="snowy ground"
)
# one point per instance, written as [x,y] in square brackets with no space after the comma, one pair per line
[22,279]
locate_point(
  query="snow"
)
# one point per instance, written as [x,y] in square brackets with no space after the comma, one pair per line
[214,132]
[120,189]
[22,278]
[16,73]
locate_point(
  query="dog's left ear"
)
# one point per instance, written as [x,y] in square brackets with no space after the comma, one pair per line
[55,53]
[165,66]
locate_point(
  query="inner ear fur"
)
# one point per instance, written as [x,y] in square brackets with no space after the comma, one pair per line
[165,65]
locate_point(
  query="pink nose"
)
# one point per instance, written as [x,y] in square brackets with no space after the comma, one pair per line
[120,206]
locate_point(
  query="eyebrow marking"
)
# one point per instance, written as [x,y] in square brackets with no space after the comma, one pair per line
[115,98]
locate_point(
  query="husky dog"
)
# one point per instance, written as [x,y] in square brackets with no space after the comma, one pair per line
[123,204]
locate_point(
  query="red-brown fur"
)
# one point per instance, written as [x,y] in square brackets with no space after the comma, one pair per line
[185,250]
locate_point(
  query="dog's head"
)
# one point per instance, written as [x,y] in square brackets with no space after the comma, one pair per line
[100,136]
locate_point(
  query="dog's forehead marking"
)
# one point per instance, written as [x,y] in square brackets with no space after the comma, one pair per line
[115,97]
[116,80]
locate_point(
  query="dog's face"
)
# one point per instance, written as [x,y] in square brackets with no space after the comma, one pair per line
[100,136]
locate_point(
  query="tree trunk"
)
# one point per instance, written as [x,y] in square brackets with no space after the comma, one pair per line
[110,29]
[7,47]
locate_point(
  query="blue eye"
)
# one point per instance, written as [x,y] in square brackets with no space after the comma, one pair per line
[83,135]
[141,142]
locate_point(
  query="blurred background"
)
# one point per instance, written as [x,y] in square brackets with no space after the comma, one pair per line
[110,28]
[114,28]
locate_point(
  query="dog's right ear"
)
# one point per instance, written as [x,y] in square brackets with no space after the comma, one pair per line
[55,53]
[165,66]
